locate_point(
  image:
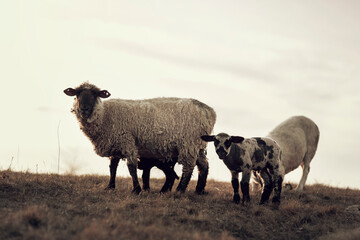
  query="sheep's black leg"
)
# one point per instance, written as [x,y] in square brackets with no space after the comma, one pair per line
[146,164]
[114,161]
[185,178]
[245,185]
[268,186]
[277,189]
[235,185]
[169,178]
[146,178]
[203,168]
[172,173]
[172,178]
[132,170]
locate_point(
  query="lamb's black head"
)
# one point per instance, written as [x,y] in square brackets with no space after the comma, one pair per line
[222,143]
[86,97]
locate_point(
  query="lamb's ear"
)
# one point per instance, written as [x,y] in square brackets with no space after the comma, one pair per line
[236,139]
[208,138]
[104,94]
[70,92]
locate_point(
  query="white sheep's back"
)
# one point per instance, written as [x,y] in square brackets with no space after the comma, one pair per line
[296,137]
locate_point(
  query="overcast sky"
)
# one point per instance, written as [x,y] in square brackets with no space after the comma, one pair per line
[255,62]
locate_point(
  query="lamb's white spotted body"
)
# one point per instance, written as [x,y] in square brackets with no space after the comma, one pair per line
[261,155]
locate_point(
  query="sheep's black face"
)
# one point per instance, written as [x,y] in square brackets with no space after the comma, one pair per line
[222,143]
[86,101]
[86,98]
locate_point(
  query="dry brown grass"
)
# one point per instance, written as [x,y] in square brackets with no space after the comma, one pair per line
[40,206]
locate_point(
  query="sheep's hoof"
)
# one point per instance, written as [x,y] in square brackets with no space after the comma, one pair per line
[202,192]
[275,204]
[180,189]
[236,198]
[276,201]
[246,201]
[110,187]
[262,202]
[288,187]
[136,190]
[165,190]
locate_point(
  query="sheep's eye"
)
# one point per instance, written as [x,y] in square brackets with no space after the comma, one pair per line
[216,142]
[227,143]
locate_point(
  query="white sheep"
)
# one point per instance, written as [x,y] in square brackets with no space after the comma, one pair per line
[298,138]
[246,155]
[160,128]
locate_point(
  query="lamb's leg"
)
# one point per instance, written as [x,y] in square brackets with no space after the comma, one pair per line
[170,177]
[185,177]
[277,188]
[235,185]
[132,170]
[170,174]
[114,161]
[278,177]
[146,178]
[203,168]
[145,165]
[268,186]
[306,169]
[245,180]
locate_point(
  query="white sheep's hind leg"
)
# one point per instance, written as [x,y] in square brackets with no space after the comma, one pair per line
[132,166]
[257,183]
[306,169]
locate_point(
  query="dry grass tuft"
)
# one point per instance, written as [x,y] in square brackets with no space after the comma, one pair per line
[41,206]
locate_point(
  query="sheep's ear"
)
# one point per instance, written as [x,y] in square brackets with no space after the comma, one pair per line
[236,139]
[104,94]
[208,138]
[70,92]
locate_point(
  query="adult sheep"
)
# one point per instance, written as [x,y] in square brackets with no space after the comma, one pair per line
[298,138]
[158,128]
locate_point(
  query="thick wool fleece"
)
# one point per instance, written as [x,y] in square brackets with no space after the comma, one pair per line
[159,127]
[298,138]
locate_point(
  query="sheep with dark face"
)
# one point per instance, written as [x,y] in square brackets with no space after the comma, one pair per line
[260,155]
[298,138]
[159,128]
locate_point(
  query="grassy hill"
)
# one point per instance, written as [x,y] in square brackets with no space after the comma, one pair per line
[42,206]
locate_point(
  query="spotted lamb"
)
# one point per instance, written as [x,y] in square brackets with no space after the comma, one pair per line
[260,155]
